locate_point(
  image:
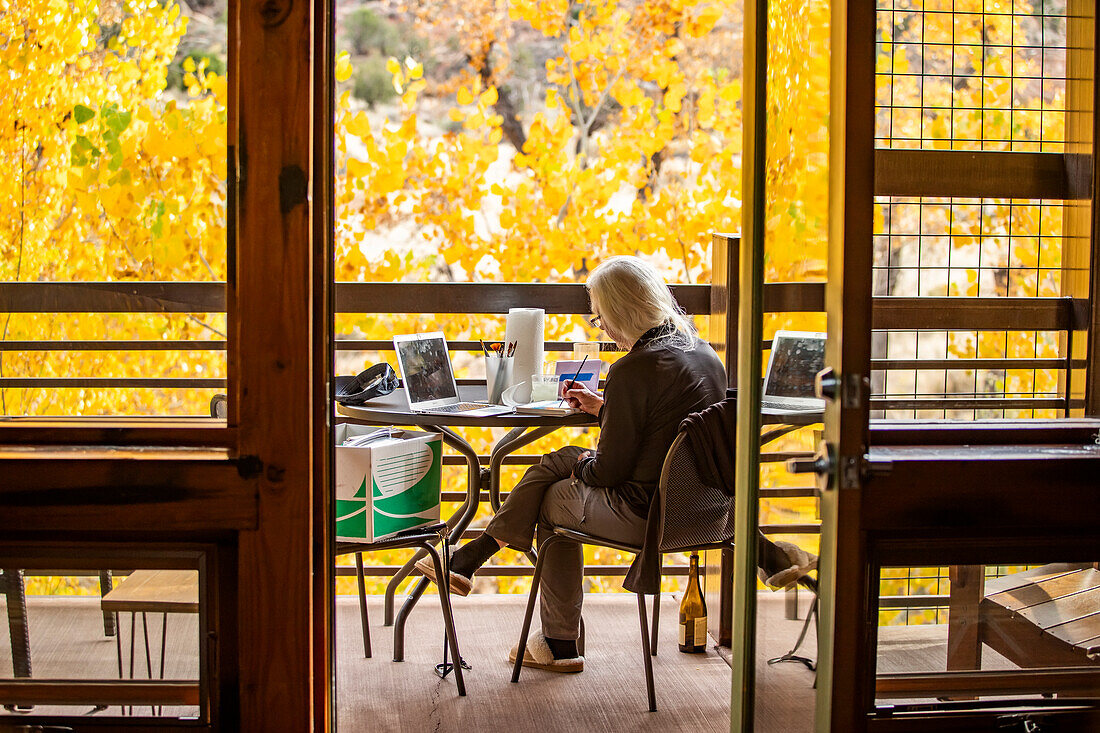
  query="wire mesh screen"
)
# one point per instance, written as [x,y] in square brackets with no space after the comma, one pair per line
[919,595]
[967,247]
[985,374]
[971,74]
[967,75]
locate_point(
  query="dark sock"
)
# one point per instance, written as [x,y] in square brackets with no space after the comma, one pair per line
[472,555]
[563,648]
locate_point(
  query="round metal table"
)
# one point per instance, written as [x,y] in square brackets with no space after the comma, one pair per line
[393,409]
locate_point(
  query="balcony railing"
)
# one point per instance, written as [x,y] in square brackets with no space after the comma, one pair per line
[717,300]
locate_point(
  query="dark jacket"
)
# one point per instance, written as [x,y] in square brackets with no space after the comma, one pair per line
[713,434]
[648,393]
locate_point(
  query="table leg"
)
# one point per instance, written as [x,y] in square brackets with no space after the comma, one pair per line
[133,629]
[775,432]
[163,649]
[148,657]
[105,586]
[456,526]
[457,523]
[403,615]
[118,645]
[515,439]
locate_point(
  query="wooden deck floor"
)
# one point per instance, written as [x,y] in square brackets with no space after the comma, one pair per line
[693,691]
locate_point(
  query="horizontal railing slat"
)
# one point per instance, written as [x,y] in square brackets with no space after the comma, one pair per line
[486,298]
[387,345]
[112,297]
[507,570]
[994,364]
[104,382]
[972,403]
[785,492]
[894,313]
[112,345]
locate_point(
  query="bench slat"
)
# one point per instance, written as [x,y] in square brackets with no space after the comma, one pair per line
[1063,610]
[1027,577]
[1047,589]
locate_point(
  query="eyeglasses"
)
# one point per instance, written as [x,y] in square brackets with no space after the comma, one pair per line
[596,321]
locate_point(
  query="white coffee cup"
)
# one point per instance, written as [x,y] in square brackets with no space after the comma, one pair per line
[544,387]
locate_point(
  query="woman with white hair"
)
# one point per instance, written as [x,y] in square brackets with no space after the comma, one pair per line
[667,373]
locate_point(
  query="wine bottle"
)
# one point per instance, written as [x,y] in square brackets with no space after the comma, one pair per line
[693,612]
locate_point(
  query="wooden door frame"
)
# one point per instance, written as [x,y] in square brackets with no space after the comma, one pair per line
[856,509]
[257,488]
[844,647]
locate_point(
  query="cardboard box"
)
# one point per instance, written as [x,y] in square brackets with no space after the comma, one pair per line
[388,484]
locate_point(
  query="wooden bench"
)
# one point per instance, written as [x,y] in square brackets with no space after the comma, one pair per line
[1044,617]
[156,591]
[151,591]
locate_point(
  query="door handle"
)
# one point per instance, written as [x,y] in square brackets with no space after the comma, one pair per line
[823,465]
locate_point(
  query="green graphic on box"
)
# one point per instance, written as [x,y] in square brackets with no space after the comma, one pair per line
[404,475]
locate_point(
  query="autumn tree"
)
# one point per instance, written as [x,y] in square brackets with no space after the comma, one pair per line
[112,178]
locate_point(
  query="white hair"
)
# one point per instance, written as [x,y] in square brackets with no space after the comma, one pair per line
[632,298]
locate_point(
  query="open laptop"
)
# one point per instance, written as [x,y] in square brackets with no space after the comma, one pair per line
[796,358]
[429,380]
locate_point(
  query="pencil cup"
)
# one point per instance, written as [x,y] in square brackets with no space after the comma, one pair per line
[498,373]
[591,349]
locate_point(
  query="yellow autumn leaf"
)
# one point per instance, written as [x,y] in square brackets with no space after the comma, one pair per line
[343,66]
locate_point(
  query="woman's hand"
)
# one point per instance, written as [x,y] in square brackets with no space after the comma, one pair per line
[580,397]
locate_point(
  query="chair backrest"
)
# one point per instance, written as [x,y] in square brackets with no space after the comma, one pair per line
[693,514]
[219,406]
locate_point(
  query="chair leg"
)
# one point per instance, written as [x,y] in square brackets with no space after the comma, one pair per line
[656,623]
[362,584]
[441,571]
[646,655]
[526,628]
[580,638]
[105,586]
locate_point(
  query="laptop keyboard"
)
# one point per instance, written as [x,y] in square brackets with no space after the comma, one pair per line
[461,407]
[781,404]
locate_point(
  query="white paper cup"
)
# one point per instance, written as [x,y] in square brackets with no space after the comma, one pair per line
[544,387]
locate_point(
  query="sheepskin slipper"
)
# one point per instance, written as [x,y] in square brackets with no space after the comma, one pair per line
[802,562]
[460,585]
[538,656]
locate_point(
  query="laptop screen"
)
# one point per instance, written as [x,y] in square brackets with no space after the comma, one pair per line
[426,368]
[795,360]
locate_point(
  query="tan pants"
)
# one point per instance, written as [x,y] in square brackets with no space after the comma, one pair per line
[548,496]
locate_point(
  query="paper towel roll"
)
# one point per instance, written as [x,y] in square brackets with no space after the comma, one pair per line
[525,327]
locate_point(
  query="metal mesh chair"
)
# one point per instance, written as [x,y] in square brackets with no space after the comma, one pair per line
[425,538]
[694,516]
